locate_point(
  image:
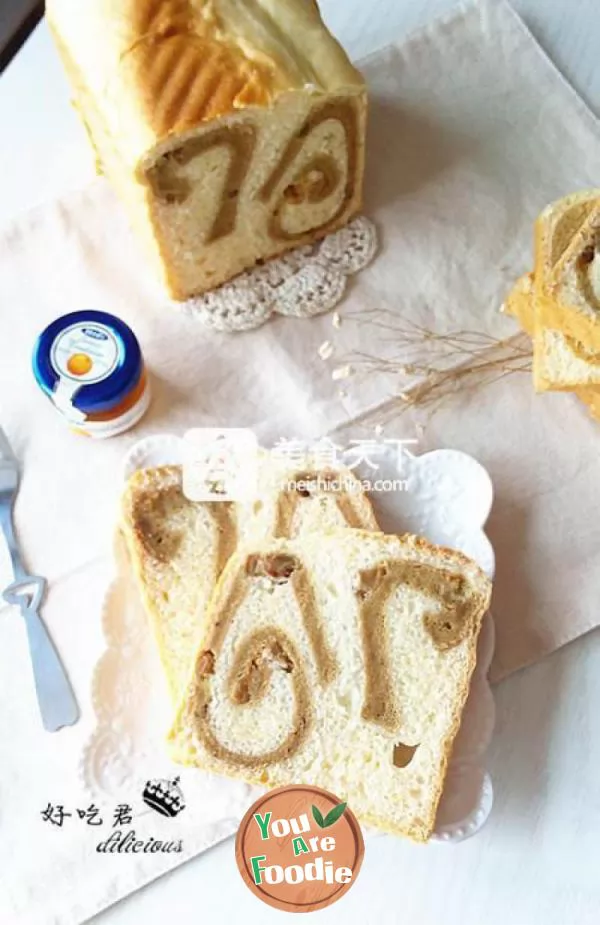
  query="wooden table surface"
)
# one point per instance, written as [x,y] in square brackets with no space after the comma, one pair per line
[537,858]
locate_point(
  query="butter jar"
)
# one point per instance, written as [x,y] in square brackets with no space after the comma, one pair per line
[90,365]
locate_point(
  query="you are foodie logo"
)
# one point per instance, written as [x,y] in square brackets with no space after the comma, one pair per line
[299,848]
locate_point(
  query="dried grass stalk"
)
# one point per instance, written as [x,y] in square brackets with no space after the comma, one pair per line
[429,366]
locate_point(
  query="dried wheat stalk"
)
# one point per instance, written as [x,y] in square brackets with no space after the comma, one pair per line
[431,366]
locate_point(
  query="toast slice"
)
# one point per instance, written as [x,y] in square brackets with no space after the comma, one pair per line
[178,548]
[554,231]
[561,362]
[554,350]
[340,659]
[568,295]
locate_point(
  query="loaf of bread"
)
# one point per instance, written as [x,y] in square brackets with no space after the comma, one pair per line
[341,659]
[178,548]
[232,130]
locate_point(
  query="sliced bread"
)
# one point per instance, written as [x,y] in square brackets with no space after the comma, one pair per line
[178,548]
[560,362]
[340,659]
[562,356]
[554,231]
[569,296]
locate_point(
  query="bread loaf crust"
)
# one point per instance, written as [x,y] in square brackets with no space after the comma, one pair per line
[157,68]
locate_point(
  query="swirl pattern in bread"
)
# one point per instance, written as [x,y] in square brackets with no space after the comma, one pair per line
[340,659]
[178,548]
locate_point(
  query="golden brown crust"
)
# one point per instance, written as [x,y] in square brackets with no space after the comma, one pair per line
[189,74]
[188,62]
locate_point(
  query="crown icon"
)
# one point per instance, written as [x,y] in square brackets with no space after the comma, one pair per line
[164,797]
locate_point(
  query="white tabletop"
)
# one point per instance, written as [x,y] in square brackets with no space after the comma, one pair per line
[536,860]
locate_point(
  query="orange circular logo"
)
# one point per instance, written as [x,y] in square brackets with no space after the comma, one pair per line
[79,364]
[299,848]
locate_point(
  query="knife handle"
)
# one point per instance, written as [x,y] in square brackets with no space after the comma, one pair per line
[56,700]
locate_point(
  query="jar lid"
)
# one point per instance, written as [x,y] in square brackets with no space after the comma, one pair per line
[87,362]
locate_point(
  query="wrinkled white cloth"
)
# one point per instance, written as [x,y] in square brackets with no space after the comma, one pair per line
[472,132]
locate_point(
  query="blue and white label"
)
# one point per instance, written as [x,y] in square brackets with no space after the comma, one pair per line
[85,354]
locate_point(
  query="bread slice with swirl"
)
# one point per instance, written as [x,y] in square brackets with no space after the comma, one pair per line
[573,305]
[567,293]
[178,548]
[232,130]
[341,659]
[560,363]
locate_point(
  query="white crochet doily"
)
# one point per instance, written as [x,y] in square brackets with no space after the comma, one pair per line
[448,500]
[304,282]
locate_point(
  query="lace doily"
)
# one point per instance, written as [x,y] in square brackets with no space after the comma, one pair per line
[304,282]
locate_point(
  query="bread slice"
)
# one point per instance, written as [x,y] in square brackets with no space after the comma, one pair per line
[179,548]
[554,231]
[233,131]
[568,296]
[554,351]
[340,659]
[560,362]
[563,364]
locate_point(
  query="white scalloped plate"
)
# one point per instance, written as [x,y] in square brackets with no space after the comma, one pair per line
[448,500]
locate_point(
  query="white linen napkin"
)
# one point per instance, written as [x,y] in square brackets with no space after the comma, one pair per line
[472,132]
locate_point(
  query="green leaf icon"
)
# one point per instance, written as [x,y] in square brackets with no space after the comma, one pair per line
[318,817]
[334,814]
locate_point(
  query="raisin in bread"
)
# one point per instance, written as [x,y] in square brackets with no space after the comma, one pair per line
[178,548]
[341,659]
